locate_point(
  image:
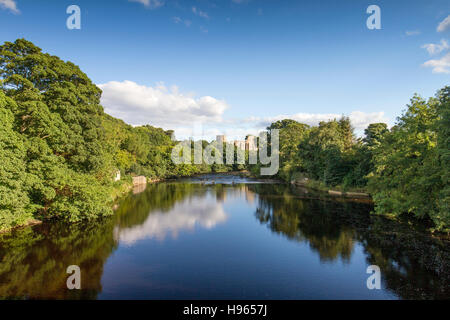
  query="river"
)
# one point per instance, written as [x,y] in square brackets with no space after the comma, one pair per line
[231,239]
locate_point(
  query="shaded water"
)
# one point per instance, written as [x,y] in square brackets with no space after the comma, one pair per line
[234,240]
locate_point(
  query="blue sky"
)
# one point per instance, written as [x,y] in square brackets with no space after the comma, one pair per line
[233,65]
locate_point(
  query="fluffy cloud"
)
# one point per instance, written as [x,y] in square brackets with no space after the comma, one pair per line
[159,106]
[184,216]
[152,4]
[436,48]
[9,5]
[200,117]
[361,120]
[439,65]
[444,25]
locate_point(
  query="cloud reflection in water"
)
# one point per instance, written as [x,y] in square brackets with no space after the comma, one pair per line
[183,216]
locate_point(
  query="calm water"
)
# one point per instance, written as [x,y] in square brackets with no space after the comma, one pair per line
[192,240]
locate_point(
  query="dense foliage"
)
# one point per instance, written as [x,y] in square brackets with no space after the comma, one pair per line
[406,169]
[412,162]
[59,151]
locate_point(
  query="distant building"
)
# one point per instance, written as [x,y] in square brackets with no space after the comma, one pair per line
[240,144]
[251,143]
[221,139]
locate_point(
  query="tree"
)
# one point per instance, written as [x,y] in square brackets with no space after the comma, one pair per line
[443,145]
[325,151]
[374,134]
[291,135]
[15,205]
[57,115]
[408,173]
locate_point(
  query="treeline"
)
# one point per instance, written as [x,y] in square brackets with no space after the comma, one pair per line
[406,168]
[59,151]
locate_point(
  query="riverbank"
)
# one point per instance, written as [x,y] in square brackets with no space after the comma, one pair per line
[28,223]
[119,190]
[335,191]
[124,187]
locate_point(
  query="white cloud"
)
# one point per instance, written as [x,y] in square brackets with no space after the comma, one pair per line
[9,5]
[436,48]
[152,4]
[444,24]
[200,13]
[412,33]
[184,216]
[439,65]
[237,129]
[159,106]
[360,120]
[200,117]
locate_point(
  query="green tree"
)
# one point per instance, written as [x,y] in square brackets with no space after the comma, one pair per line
[325,151]
[408,174]
[58,117]
[15,205]
[443,145]
[291,135]
[374,134]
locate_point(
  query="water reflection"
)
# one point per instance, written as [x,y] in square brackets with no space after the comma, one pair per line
[34,261]
[414,265]
[195,211]
[316,222]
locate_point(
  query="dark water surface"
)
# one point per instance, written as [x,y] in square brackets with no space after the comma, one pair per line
[192,240]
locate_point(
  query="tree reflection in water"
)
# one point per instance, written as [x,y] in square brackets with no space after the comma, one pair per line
[34,260]
[414,264]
